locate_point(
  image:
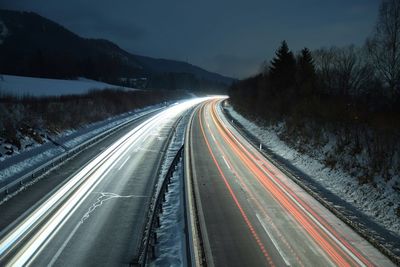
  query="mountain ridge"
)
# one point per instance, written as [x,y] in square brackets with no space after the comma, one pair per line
[36,46]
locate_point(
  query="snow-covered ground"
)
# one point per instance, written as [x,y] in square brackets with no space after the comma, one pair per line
[29,86]
[171,237]
[379,203]
[171,247]
[29,158]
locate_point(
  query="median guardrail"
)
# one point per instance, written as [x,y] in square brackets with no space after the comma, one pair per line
[198,247]
[155,206]
[149,237]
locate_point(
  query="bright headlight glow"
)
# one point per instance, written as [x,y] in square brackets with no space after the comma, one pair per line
[68,198]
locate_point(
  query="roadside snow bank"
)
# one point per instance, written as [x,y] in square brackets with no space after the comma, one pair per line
[380,202]
[171,246]
[31,157]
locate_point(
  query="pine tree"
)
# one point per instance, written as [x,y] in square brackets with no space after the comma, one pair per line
[283,68]
[305,76]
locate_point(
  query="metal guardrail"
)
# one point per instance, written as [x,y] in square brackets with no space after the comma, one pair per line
[141,258]
[190,222]
[356,226]
[150,238]
[30,176]
[198,247]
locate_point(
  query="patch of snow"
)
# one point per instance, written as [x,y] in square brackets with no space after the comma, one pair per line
[29,163]
[30,158]
[170,234]
[30,86]
[378,203]
[171,246]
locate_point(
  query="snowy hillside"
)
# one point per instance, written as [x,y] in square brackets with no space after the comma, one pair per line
[22,86]
[32,45]
[380,201]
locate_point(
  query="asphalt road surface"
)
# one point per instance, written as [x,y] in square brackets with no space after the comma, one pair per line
[97,216]
[253,215]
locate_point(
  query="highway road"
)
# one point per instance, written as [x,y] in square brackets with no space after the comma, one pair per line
[251,214]
[96,217]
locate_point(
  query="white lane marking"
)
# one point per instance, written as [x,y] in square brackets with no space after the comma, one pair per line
[28,223]
[147,150]
[78,181]
[315,220]
[213,137]
[61,249]
[103,197]
[342,246]
[226,162]
[66,210]
[122,165]
[280,251]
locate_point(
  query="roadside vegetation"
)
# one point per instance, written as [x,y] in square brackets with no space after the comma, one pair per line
[347,98]
[37,117]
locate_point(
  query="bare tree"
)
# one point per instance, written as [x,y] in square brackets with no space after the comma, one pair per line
[353,73]
[343,70]
[384,46]
[324,59]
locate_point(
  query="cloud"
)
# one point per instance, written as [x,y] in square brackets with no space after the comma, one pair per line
[241,34]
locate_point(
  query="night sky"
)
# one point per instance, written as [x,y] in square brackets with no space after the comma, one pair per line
[232,37]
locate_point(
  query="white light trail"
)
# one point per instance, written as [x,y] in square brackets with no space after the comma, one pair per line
[68,198]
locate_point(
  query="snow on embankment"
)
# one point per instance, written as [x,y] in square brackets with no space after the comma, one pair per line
[171,246]
[29,86]
[380,203]
[35,155]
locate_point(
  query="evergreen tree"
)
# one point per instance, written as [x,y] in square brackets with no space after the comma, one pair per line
[283,68]
[305,76]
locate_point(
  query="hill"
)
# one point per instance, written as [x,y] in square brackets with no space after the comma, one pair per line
[31,45]
[22,86]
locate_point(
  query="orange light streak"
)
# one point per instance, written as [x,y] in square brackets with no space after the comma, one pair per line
[244,215]
[330,247]
[257,202]
[266,166]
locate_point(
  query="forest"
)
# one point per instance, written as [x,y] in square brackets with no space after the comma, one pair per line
[350,94]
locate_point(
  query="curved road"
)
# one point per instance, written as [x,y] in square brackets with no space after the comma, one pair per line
[97,216]
[251,214]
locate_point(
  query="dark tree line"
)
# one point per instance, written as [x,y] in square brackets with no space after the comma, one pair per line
[47,64]
[353,92]
[26,115]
